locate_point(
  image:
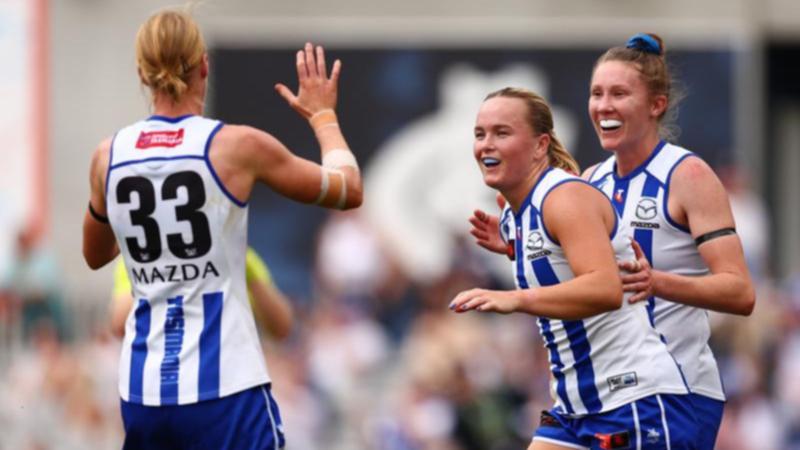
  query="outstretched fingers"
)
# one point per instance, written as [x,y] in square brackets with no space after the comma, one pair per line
[322,70]
[286,93]
[335,71]
[310,60]
[302,68]
[465,300]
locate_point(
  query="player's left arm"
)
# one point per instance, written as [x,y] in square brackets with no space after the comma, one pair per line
[699,200]
[580,218]
[99,243]
[270,305]
[121,300]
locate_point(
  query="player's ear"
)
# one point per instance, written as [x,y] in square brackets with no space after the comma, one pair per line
[659,105]
[204,66]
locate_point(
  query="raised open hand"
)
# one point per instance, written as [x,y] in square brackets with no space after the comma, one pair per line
[317,92]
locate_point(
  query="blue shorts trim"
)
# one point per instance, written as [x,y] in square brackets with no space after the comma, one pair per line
[656,422]
[247,420]
[709,417]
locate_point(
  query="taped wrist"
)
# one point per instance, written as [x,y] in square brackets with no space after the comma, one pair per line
[323,118]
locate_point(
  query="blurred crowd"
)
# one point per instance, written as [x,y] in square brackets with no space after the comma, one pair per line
[377,361]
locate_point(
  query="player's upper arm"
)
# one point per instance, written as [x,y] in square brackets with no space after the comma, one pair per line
[580,218]
[97,176]
[266,159]
[99,244]
[699,198]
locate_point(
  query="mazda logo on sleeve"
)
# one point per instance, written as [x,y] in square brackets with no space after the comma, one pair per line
[647,208]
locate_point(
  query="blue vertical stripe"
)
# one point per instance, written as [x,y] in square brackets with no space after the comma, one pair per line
[139,351]
[208,382]
[545,276]
[519,258]
[578,341]
[173,342]
[645,239]
[549,339]
[555,359]
[651,186]
[581,351]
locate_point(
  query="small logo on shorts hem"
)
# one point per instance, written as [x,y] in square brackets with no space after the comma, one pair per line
[653,436]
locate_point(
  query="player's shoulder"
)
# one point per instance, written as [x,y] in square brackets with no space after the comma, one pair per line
[244,138]
[102,153]
[692,169]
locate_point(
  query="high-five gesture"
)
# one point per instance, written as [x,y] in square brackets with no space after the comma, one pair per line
[317,93]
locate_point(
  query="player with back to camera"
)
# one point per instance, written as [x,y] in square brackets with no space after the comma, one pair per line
[614,383]
[170,193]
[680,214]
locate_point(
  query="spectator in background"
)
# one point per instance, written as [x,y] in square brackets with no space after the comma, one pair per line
[35,284]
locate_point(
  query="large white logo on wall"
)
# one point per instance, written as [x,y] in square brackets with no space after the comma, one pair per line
[423,184]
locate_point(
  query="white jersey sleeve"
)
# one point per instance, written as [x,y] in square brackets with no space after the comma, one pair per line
[191,335]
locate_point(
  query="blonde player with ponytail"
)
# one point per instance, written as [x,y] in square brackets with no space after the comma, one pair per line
[613,382]
[170,193]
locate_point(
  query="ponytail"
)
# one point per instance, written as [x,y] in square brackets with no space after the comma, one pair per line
[169,47]
[559,156]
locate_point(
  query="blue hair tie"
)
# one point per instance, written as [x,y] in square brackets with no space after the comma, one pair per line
[645,43]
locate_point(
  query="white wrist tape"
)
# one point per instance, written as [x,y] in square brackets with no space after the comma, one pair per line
[324,185]
[338,158]
[343,194]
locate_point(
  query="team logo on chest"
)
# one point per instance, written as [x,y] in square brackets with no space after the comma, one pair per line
[535,245]
[646,209]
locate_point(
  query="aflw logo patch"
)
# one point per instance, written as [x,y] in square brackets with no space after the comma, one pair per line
[159,139]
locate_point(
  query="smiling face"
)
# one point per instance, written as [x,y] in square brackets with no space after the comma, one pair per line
[624,113]
[506,149]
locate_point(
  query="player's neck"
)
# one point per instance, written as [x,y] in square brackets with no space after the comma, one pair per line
[163,105]
[516,197]
[630,158]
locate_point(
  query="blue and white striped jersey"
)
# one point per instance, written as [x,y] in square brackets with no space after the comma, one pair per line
[601,362]
[641,200]
[191,335]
